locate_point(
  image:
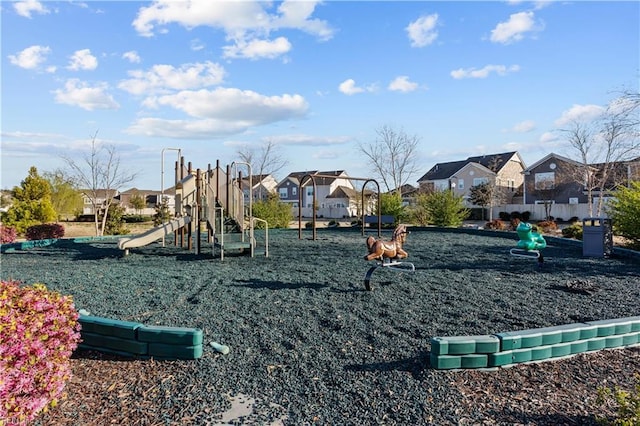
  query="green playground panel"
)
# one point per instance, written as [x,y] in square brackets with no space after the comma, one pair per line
[167,351]
[630,339]
[108,327]
[170,335]
[596,344]
[474,361]
[462,345]
[115,343]
[561,349]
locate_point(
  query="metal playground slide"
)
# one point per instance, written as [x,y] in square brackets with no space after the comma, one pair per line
[153,234]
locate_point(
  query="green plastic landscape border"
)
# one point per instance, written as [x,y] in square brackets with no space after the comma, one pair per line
[27,245]
[534,345]
[133,339]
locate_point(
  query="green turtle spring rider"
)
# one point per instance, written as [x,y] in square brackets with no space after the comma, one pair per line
[530,243]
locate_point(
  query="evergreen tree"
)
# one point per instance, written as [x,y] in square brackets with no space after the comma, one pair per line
[446,208]
[31,203]
[275,212]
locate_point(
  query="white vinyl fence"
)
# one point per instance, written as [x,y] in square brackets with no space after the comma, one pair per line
[558,211]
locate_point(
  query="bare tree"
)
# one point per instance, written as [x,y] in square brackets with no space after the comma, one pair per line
[99,175]
[392,156]
[265,159]
[604,144]
[580,136]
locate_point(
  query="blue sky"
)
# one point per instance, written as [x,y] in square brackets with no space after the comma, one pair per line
[314,78]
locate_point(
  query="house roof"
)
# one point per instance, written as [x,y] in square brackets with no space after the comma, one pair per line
[296,176]
[346,192]
[494,162]
[547,158]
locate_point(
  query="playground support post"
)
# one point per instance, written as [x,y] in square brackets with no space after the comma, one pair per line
[162,175]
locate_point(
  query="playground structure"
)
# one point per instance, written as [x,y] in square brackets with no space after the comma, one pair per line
[215,198]
[387,253]
[530,243]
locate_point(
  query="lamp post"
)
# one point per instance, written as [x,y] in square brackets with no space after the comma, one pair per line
[162,175]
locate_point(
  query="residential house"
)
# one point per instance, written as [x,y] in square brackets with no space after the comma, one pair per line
[503,170]
[335,182]
[408,193]
[151,198]
[560,180]
[261,186]
[100,199]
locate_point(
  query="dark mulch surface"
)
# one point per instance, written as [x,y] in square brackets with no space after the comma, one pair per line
[311,346]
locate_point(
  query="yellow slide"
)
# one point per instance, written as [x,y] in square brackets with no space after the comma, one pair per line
[153,234]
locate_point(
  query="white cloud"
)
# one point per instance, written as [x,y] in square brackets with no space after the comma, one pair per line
[514,29]
[132,56]
[309,140]
[235,104]
[402,84]
[524,126]
[31,57]
[484,72]
[80,94]
[25,8]
[219,112]
[83,60]
[246,23]
[196,44]
[422,31]
[163,78]
[348,87]
[256,49]
[579,113]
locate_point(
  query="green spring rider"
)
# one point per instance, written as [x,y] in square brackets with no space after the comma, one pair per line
[530,243]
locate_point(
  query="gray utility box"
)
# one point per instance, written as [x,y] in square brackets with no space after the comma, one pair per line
[597,237]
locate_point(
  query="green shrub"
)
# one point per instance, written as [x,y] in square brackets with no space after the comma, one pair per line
[115,221]
[276,213]
[136,218]
[525,216]
[333,223]
[626,405]
[44,232]
[39,331]
[504,216]
[624,210]
[444,208]
[573,231]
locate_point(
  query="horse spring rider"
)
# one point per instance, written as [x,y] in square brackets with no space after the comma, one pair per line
[381,250]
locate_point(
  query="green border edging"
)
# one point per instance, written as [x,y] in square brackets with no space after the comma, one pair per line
[134,339]
[538,344]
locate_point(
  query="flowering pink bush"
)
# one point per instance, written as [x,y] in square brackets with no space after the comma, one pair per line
[7,234]
[45,231]
[39,330]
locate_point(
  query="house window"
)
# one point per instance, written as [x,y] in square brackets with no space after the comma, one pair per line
[460,183]
[480,181]
[545,180]
[309,191]
[283,192]
[294,190]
